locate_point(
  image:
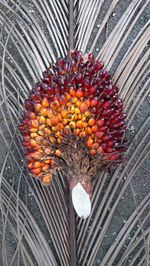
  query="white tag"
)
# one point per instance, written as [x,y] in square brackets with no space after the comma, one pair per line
[81,201]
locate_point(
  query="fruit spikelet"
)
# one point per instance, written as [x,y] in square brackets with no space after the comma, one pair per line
[73,121]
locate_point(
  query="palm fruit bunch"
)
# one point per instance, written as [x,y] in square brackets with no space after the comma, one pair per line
[73,121]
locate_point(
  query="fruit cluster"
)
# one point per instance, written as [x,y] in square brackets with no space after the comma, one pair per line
[75,96]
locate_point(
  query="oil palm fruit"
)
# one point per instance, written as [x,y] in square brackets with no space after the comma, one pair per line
[74,122]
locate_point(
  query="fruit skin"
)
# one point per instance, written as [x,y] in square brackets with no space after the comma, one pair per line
[75,103]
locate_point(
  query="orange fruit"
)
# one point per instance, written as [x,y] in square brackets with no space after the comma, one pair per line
[47,179]
[33,135]
[49,112]
[42,120]
[73,99]
[64,113]
[95,146]
[54,120]
[77,131]
[52,162]
[33,129]
[45,167]
[33,143]
[93,152]
[36,164]
[32,115]
[35,123]
[37,107]
[49,122]
[91,122]
[72,92]
[43,111]
[36,171]
[95,128]
[89,142]
[58,153]
[88,130]
[79,124]
[45,102]
[64,121]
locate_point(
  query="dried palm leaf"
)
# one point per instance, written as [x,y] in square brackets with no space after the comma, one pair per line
[35,224]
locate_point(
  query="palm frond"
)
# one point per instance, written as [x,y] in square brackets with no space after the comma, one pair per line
[33,35]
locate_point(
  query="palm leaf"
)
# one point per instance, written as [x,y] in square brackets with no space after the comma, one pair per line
[33,34]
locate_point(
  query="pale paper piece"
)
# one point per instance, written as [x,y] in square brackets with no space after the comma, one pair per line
[81,201]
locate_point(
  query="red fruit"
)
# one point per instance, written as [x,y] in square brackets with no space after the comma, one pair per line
[60,62]
[83,107]
[110,143]
[107,157]
[105,75]
[99,134]
[119,104]
[79,93]
[88,103]
[114,87]
[107,137]
[100,150]
[98,66]
[92,90]
[94,110]
[106,113]
[110,150]
[50,90]
[104,129]
[62,99]
[100,122]
[122,116]
[103,145]
[94,102]
[114,157]
[115,120]
[107,104]
[120,124]
[100,103]
[21,127]
[91,57]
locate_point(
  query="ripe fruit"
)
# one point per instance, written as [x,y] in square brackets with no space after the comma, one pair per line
[91,122]
[100,122]
[79,93]
[83,107]
[45,102]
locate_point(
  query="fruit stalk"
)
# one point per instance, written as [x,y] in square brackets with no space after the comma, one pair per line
[71,209]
